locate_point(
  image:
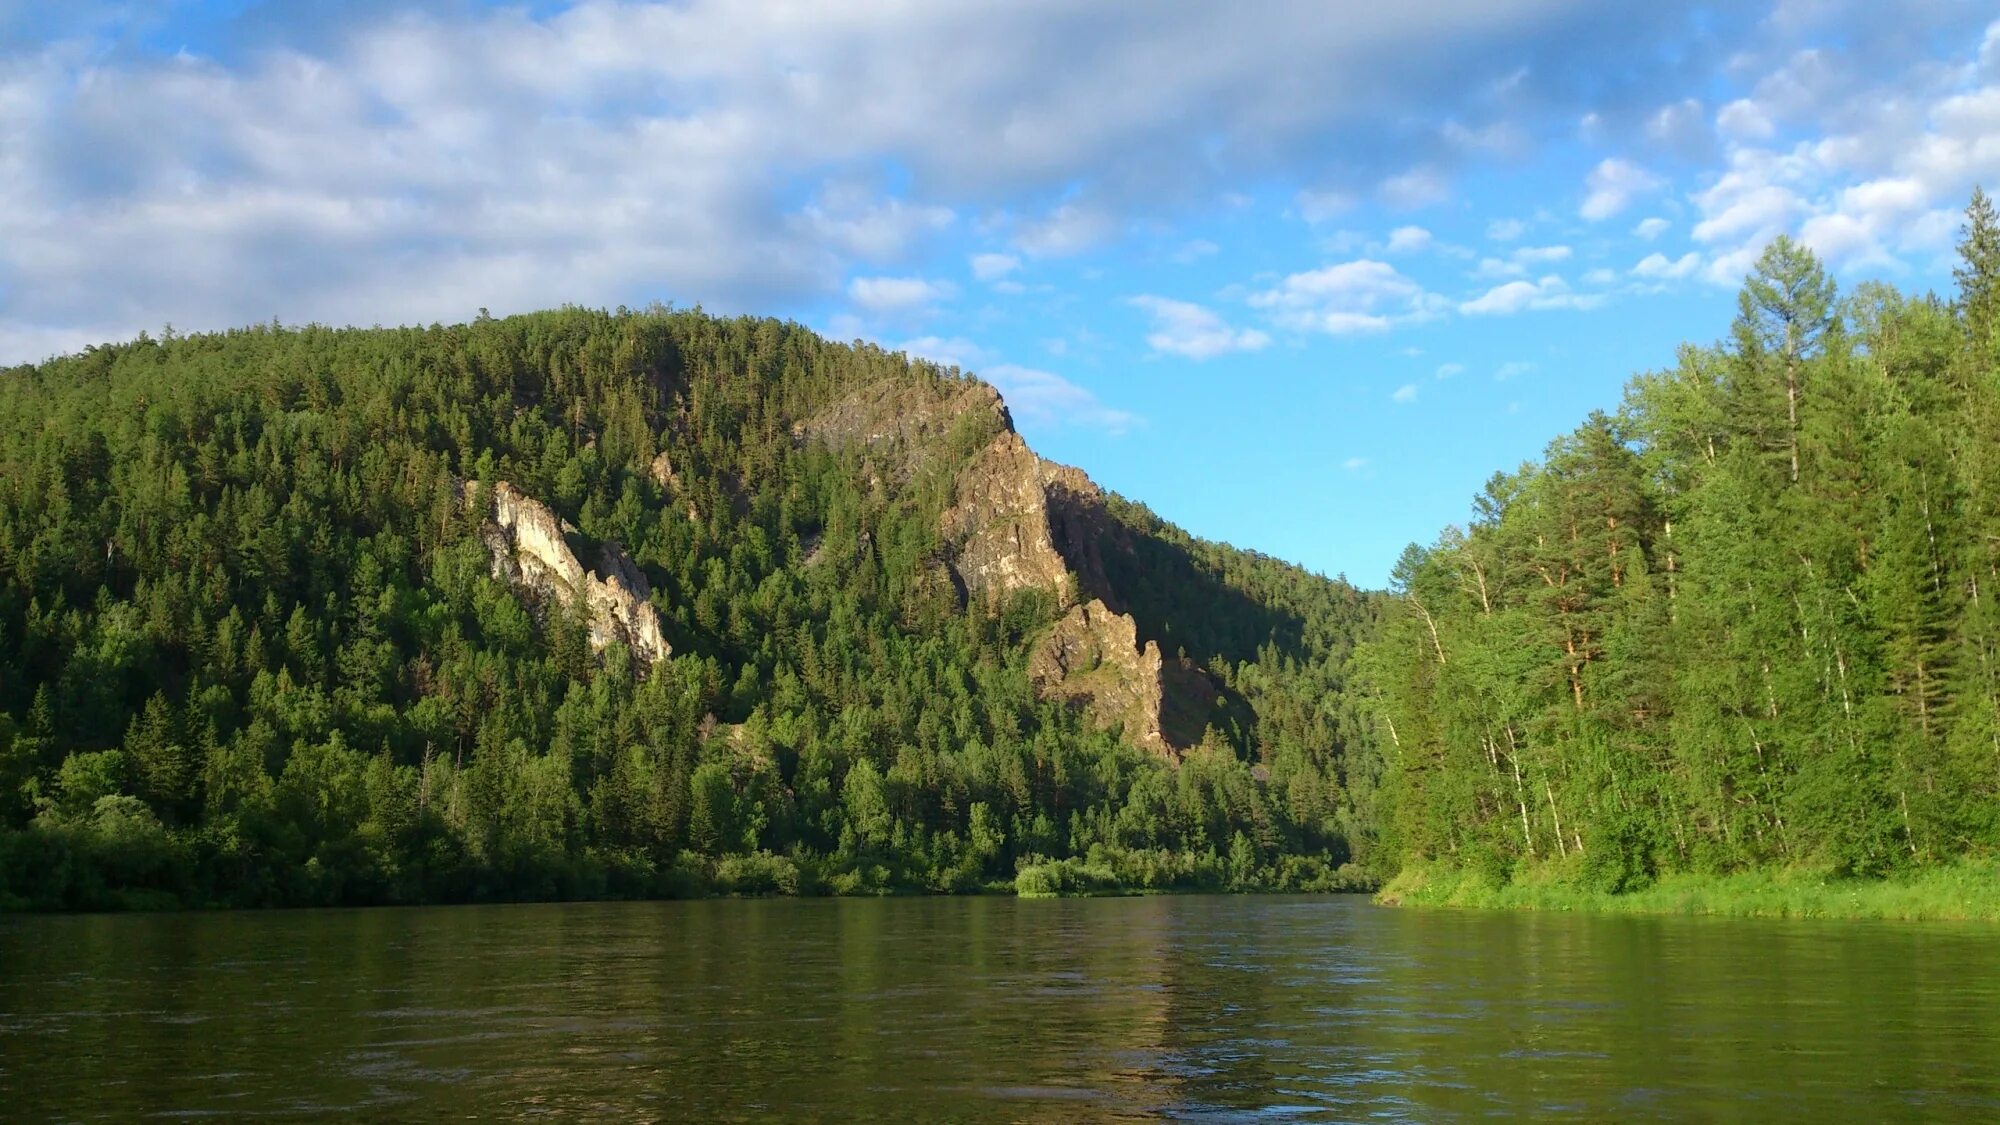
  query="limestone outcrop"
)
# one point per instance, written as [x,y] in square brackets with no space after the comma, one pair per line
[530,549]
[1017,522]
[912,421]
[998,528]
[1093,659]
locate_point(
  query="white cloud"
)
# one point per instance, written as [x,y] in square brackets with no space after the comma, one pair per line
[1043,398]
[857,221]
[1505,230]
[1742,120]
[1681,128]
[898,294]
[1070,229]
[1658,267]
[955,351]
[1193,250]
[1650,229]
[1418,187]
[1447,370]
[1317,207]
[1521,261]
[1512,369]
[418,164]
[1405,393]
[1408,240]
[1599,277]
[1894,151]
[1359,296]
[1613,185]
[1187,329]
[1498,138]
[1354,464]
[993,267]
[1512,297]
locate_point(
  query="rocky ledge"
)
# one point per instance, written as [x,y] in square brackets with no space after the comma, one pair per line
[530,549]
[1018,522]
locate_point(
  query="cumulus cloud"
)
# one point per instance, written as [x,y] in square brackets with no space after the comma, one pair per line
[1521,261]
[1613,185]
[1187,329]
[1321,206]
[1659,267]
[1512,297]
[1408,240]
[1650,229]
[420,164]
[1406,393]
[1681,128]
[993,267]
[1743,120]
[854,220]
[1505,230]
[356,164]
[1069,229]
[1045,399]
[1358,296]
[1897,139]
[1418,187]
[897,294]
[954,351]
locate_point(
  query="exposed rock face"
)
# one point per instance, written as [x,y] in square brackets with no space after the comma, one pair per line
[531,552]
[998,528]
[895,415]
[1018,522]
[1092,659]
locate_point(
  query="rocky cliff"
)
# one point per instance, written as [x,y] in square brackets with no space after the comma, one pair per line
[1093,659]
[530,550]
[998,529]
[1018,522]
[907,421]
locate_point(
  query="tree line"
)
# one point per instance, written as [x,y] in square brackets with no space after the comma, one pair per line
[252,653]
[1746,621]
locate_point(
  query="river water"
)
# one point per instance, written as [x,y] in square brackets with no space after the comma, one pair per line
[994,1009]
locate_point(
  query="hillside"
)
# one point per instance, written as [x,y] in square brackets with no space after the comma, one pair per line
[1746,624]
[584,604]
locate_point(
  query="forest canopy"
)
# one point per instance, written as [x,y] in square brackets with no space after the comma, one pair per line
[1746,621]
[253,652]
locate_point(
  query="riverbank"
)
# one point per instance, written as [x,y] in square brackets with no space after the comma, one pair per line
[1965,891]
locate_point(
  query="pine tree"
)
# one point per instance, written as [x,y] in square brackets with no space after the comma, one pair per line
[1978,273]
[1784,312]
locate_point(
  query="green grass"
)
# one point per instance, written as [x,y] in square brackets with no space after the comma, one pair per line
[1965,891]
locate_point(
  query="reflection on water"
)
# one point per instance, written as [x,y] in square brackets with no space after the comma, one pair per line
[995,1009]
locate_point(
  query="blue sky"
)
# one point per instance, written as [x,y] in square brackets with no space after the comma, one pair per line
[1299,276]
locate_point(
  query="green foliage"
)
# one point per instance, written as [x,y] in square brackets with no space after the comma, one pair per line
[1958,891]
[1746,624]
[252,651]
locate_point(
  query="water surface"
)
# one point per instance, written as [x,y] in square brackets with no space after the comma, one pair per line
[994,1009]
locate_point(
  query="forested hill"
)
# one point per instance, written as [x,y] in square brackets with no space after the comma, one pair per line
[579,604]
[1752,620]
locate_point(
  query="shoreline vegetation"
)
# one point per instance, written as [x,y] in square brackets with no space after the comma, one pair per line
[1965,891]
[588,605]
[1745,623]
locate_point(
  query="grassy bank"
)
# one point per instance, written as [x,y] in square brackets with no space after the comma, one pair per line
[1965,891]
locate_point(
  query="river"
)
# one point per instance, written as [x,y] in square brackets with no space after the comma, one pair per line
[1206,1008]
